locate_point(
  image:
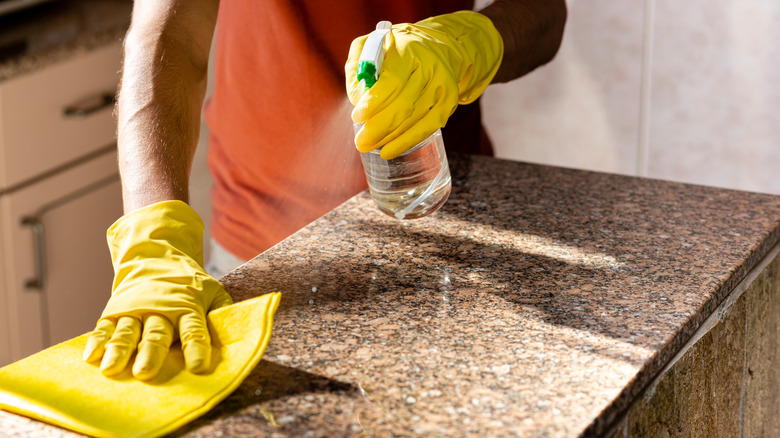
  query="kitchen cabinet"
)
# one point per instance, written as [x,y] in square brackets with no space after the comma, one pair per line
[57,116]
[5,351]
[59,191]
[58,268]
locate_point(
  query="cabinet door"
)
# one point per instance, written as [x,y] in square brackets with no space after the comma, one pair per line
[57,263]
[5,340]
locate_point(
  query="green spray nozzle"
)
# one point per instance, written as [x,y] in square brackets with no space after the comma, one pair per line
[367,73]
[370,61]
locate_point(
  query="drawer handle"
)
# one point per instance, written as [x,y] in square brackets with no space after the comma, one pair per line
[91,105]
[35,221]
[39,282]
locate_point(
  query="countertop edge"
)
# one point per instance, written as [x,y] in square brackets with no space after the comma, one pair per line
[647,374]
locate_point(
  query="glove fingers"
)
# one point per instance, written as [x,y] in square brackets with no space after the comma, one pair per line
[396,76]
[96,343]
[434,107]
[153,348]
[195,342]
[386,93]
[121,346]
[410,136]
[383,120]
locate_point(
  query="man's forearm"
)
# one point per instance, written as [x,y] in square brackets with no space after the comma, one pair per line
[532,31]
[162,90]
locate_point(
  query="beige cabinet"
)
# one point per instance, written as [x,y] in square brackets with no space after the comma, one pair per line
[58,271]
[5,337]
[56,116]
[59,191]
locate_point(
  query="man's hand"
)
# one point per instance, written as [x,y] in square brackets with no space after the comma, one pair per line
[160,293]
[429,68]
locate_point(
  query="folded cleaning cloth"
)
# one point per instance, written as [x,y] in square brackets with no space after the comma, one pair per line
[57,387]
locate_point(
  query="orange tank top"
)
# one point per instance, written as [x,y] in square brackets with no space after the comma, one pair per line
[281,149]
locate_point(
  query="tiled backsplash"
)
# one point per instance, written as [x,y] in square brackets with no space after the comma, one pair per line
[679,91]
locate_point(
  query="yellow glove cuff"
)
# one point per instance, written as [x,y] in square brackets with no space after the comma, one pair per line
[153,248]
[172,222]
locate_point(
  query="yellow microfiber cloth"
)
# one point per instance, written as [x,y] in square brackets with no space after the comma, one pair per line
[57,387]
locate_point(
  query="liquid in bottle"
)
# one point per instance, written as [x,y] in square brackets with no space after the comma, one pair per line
[412,185]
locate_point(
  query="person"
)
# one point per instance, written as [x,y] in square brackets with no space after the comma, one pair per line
[277,153]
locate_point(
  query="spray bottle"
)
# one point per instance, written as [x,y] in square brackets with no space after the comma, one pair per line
[417,182]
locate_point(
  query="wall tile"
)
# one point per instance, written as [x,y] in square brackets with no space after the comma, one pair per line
[715,99]
[582,109]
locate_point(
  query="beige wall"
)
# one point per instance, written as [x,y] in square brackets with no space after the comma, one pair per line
[685,91]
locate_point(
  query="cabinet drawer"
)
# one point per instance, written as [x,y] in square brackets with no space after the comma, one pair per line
[53,116]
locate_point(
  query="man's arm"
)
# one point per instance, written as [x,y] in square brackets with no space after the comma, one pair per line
[532,31]
[162,90]
[160,290]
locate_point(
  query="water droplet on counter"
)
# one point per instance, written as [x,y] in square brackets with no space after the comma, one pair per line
[269,415]
[363,392]
[314,289]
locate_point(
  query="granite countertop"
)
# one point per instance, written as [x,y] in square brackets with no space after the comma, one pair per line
[538,302]
[58,30]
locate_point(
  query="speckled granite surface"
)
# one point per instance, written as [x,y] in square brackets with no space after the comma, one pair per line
[56,31]
[538,302]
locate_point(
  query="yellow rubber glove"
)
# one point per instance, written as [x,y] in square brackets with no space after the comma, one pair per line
[429,68]
[159,286]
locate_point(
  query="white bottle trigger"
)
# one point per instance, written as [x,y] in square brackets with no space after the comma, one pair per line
[372,55]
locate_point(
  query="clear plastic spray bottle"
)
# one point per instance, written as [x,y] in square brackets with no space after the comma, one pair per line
[417,182]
